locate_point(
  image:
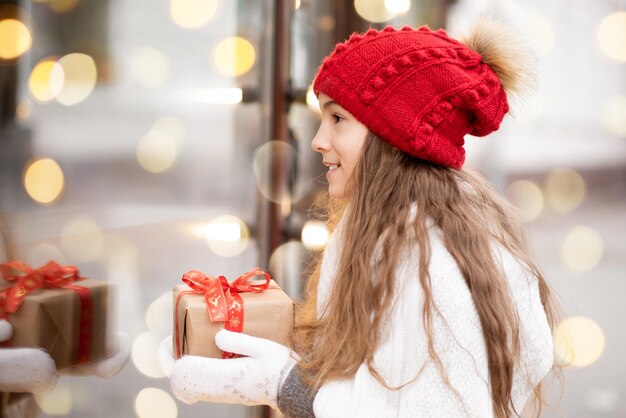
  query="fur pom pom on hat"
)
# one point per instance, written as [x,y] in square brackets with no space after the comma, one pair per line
[421,90]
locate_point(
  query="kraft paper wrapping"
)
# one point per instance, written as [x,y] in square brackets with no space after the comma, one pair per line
[50,318]
[268,314]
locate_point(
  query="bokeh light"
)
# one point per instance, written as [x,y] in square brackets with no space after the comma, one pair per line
[192,13]
[44,252]
[46,79]
[149,67]
[227,95]
[527,196]
[611,35]
[541,33]
[315,235]
[15,39]
[234,56]
[271,156]
[155,403]
[398,6]
[80,76]
[57,402]
[159,315]
[614,116]
[582,248]
[81,240]
[62,6]
[578,341]
[44,180]
[157,151]
[286,264]
[297,4]
[373,10]
[565,190]
[145,354]
[311,100]
[226,235]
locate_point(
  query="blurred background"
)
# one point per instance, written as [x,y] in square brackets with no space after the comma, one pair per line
[142,139]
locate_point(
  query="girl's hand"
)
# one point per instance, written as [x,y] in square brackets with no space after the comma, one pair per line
[24,369]
[252,380]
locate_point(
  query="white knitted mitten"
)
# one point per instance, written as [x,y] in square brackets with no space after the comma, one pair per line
[253,380]
[24,369]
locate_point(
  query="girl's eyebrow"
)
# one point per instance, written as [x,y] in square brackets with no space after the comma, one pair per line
[328,104]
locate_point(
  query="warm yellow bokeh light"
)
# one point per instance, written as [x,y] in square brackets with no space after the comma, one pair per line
[15,39]
[578,341]
[56,402]
[315,235]
[541,33]
[373,10]
[226,95]
[81,240]
[611,35]
[398,6]
[614,116]
[155,403]
[565,190]
[46,80]
[297,4]
[234,56]
[80,76]
[145,354]
[311,100]
[582,248]
[44,180]
[527,196]
[150,67]
[62,6]
[226,235]
[192,13]
[157,151]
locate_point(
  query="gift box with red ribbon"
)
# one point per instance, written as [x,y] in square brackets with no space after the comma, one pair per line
[54,308]
[204,304]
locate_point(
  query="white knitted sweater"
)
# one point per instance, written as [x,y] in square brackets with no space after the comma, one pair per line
[458,341]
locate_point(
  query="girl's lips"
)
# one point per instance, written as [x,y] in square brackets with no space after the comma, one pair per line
[330,172]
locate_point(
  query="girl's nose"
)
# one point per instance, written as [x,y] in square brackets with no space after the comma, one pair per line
[319,144]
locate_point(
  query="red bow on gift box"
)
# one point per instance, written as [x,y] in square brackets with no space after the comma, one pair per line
[26,279]
[223,301]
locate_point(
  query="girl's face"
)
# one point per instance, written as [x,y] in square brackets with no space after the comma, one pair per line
[339,139]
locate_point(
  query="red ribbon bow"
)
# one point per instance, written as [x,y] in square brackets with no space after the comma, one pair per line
[223,301]
[26,279]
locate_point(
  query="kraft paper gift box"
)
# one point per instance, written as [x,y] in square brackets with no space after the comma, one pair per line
[70,322]
[267,314]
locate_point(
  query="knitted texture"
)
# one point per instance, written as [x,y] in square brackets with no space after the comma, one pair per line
[417,89]
[24,369]
[251,380]
[402,354]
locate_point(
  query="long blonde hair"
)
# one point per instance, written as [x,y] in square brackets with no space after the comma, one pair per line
[384,185]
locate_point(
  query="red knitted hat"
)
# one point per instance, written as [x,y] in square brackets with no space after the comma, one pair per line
[417,89]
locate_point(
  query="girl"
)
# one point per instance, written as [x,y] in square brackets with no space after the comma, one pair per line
[426,302]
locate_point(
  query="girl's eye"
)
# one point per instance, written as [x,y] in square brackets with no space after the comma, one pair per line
[337,118]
